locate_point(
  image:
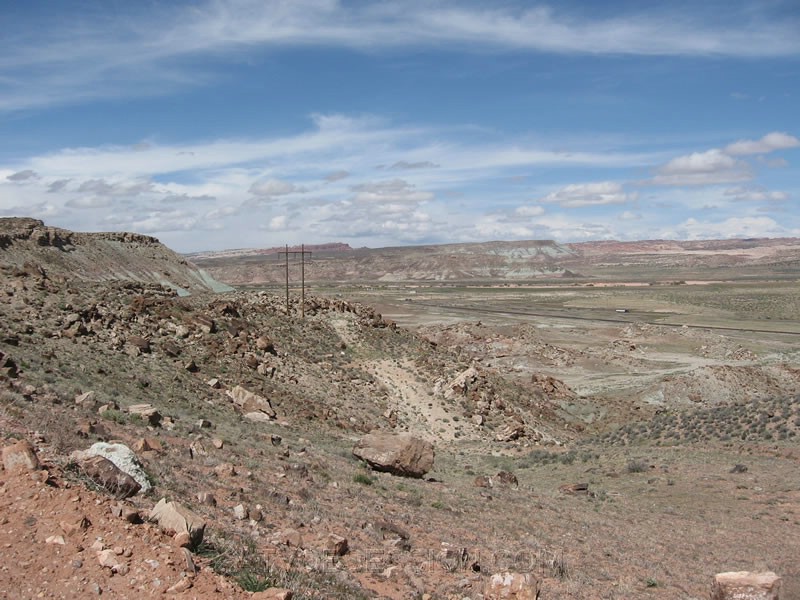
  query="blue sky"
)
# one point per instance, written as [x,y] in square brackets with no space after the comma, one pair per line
[230,124]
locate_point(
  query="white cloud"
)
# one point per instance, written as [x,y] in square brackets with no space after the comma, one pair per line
[88,202]
[755,194]
[272,187]
[776,140]
[148,52]
[703,168]
[529,211]
[589,194]
[277,223]
[732,227]
[384,194]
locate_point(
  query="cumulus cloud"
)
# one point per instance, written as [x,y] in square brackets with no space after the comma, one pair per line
[272,187]
[755,194]
[703,168]
[776,140]
[589,194]
[23,175]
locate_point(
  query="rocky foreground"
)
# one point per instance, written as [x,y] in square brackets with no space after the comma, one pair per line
[226,446]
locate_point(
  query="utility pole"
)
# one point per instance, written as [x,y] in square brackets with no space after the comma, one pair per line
[302,252]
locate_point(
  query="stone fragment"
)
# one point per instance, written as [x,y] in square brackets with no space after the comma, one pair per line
[240,512]
[139,343]
[336,545]
[175,518]
[148,444]
[128,513]
[20,457]
[745,585]
[183,584]
[207,498]
[147,412]
[205,323]
[217,443]
[55,540]
[396,453]
[513,586]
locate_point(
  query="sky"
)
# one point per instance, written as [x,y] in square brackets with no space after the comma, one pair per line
[242,124]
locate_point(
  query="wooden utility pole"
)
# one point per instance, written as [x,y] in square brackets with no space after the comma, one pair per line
[302,252]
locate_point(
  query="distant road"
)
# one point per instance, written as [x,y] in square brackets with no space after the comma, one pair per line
[560,315]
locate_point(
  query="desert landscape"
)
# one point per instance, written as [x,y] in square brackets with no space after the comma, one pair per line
[531,419]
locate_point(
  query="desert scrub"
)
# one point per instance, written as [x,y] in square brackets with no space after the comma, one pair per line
[363,479]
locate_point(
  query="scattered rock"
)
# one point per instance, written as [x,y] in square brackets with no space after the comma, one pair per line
[739,469]
[128,513]
[240,512]
[138,344]
[185,583]
[507,478]
[513,586]
[20,457]
[336,545]
[147,412]
[574,489]
[399,454]
[512,430]
[206,498]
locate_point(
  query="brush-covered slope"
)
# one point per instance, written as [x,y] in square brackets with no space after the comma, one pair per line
[29,243]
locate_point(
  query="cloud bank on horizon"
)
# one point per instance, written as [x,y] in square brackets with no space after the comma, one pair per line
[237,123]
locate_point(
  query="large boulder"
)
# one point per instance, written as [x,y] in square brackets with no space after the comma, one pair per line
[106,474]
[250,402]
[744,585]
[175,518]
[396,453]
[124,459]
